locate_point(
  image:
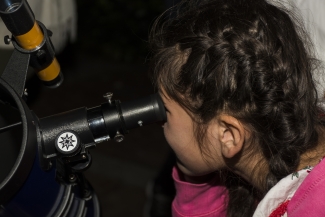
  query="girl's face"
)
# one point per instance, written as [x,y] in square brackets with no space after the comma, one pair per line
[179,133]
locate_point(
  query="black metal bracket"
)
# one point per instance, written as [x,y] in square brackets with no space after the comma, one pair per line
[16,71]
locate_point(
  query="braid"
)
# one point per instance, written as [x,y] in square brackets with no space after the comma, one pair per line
[283,89]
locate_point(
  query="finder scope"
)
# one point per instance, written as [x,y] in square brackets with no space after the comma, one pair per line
[31,37]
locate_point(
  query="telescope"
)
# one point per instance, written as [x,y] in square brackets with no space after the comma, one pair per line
[45,157]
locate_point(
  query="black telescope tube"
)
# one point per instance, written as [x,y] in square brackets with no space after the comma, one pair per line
[110,120]
[107,121]
[17,16]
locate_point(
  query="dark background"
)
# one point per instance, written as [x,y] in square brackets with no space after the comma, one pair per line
[110,55]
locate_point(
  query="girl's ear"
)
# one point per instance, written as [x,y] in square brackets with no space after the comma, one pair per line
[231,135]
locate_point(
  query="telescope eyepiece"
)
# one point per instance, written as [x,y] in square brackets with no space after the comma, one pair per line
[114,117]
[139,112]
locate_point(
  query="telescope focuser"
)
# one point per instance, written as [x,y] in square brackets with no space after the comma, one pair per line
[69,135]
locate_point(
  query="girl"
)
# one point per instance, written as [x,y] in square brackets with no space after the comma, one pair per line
[242,115]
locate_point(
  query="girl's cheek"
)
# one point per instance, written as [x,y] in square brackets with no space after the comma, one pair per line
[166,133]
[165,128]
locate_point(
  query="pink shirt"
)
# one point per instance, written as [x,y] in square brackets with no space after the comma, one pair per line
[309,199]
[199,200]
[209,199]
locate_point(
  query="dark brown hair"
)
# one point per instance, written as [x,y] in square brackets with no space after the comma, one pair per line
[247,58]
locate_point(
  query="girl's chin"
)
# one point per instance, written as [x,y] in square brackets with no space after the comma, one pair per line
[189,172]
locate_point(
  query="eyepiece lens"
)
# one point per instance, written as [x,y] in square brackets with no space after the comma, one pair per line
[9,6]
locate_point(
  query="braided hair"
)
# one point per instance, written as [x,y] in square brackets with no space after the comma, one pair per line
[250,59]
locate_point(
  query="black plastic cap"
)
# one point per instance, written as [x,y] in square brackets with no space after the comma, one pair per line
[56,82]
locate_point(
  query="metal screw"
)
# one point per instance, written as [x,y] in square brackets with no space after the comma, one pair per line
[108,96]
[140,123]
[83,156]
[40,54]
[72,177]
[86,192]
[7,39]
[25,92]
[118,137]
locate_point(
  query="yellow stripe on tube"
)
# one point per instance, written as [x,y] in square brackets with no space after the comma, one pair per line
[51,72]
[31,39]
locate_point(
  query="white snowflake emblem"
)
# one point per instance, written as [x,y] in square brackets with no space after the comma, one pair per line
[67,141]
